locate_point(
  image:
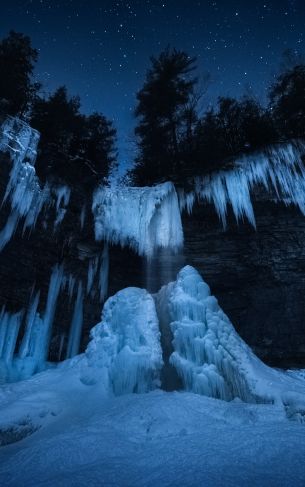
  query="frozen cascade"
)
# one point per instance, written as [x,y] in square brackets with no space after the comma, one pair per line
[30,341]
[278,168]
[76,324]
[56,281]
[124,352]
[209,355]
[143,218]
[9,329]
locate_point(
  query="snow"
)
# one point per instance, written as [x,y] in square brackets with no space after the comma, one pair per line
[74,436]
[79,424]
[279,169]
[125,351]
[143,218]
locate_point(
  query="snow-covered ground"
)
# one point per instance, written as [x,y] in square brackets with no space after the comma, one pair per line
[77,424]
[153,439]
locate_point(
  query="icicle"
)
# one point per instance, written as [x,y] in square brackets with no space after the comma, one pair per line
[71,285]
[92,270]
[9,229]
[82,217]
[61,346]
[13,323]
[30,340]
[104,273]
[76,324]
[62,194]
[54,288]
[4,317]
[279,169]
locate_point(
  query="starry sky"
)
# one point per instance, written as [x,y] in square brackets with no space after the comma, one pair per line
[100,49]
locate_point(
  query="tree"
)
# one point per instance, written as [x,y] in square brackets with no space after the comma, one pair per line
[236,127]
[287,101]
[74,148]
[164,119]
[17,62]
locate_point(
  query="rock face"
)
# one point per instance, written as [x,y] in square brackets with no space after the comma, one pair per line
[257,275]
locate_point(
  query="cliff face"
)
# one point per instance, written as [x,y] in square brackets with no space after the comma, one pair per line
[257,275]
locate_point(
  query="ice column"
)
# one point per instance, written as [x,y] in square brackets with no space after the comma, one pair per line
[76,324]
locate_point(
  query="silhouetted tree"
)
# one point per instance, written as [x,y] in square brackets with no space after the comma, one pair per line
[17,62]
[163,110]
[73,147]
[287,101]
[237,126]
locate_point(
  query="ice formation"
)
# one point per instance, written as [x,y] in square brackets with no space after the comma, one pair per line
[279,169]
[125,352]
[76,324]
[143,218]
[34,347]
[210,356]
[62,198]
[24,192]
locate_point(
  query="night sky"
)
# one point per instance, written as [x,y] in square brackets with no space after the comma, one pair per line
[100,49]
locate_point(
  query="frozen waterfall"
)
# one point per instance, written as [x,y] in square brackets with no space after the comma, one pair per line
[143,218]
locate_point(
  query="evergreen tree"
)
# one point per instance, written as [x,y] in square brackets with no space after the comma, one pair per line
[73,147]
[17,62]
[162,106]
[287,101]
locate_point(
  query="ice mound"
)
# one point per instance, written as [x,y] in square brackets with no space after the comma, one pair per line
[125,352]
[209,355]
[143,218]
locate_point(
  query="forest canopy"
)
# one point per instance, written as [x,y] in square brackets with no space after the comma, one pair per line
[175,140]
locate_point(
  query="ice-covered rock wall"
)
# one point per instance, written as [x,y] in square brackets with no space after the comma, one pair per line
[280,169]
[143,218]
[24,192]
